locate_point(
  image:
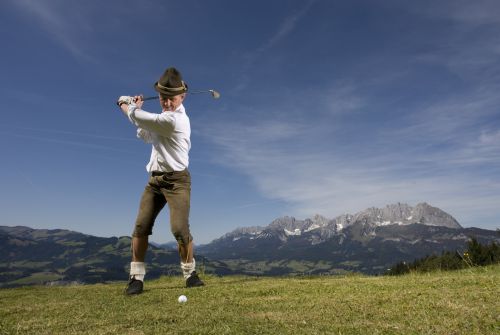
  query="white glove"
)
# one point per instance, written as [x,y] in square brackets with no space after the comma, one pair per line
[125,99]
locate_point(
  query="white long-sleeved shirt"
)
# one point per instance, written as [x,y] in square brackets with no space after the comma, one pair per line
[168,132]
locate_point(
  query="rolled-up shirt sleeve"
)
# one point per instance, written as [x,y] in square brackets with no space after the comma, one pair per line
[162,124]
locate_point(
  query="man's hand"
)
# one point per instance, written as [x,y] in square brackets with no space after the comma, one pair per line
[138,101]
[124,99]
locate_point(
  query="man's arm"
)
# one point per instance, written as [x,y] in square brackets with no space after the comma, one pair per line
[123,102]
[162,124]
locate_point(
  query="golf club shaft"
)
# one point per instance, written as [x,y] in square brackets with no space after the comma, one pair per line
[150,98]
[214,94]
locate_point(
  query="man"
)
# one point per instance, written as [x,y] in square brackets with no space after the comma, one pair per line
[169,182]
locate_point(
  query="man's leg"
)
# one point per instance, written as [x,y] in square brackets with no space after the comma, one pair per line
[137,266]
[188,265]
[186,252]
[139,248]
[152,202]
[179,200]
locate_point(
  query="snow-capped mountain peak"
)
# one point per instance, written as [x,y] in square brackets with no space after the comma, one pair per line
[320,228]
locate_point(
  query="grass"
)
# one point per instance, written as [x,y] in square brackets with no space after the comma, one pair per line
[37,278]
[461,302]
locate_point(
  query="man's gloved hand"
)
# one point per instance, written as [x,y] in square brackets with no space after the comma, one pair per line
[125,99]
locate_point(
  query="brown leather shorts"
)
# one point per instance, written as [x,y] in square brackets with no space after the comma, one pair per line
[174,189]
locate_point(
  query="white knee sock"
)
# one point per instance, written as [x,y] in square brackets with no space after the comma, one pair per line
[137,270]
[188,268]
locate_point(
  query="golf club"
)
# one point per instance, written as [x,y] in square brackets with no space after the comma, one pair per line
[214,93]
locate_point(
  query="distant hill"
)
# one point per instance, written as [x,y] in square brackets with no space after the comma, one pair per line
[369,241]
[39,256]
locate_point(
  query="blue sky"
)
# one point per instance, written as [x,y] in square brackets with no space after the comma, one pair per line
[327,107]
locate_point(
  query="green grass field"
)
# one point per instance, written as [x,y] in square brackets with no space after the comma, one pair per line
[462,302]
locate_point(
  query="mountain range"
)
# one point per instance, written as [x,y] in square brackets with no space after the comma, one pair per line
[370,242]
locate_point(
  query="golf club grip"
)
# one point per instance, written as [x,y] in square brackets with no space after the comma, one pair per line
[149,98]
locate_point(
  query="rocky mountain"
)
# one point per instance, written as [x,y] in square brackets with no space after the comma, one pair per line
[369,241]
[39,256]
[319,229]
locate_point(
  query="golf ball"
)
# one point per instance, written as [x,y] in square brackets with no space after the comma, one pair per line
[182,298]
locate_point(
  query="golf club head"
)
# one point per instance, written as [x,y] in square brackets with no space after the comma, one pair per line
[215,94]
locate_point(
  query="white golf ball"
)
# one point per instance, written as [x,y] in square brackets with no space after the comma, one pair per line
[182,298]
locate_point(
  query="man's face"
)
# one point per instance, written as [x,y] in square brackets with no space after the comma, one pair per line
[171,103]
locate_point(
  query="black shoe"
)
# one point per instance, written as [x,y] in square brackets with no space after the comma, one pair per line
[134,286]
[193,280]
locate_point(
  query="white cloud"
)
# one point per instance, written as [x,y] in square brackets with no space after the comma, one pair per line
[285,28]
[436,155]
[67,25]
[490,139]
[471,46]
[474,13]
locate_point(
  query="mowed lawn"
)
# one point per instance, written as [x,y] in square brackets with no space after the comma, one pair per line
[461,302]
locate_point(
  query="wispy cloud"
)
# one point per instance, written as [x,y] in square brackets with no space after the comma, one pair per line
[443,153]
[471,47]
[66,133]
[475,13]
[286,27]
[65,141]
[68,26]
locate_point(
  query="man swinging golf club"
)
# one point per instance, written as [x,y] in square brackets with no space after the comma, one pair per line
[169,182]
